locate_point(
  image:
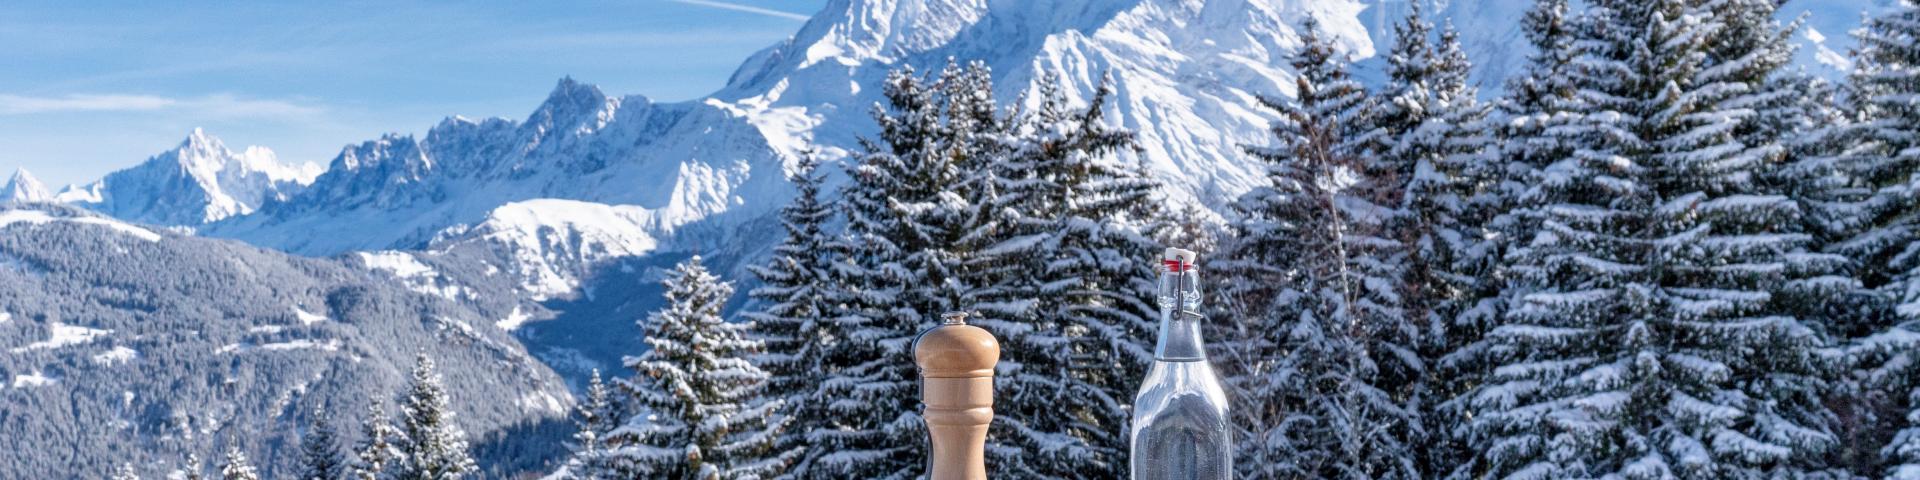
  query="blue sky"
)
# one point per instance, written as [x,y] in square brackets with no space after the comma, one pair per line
[89,88]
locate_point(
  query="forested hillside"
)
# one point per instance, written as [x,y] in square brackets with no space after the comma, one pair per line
[122,345]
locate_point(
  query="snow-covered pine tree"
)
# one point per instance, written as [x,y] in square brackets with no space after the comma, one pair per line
[1430,151]
[236,466]
[1315,290]
[978,140]
[1644,339]
[1883,152]
[125,472]
[1070,290]
[1751,51]
[1882,146]
[1191,225]
[193,467]
[911,212]
[595,417]
[1538,99]
[320,450]
[695,380]
[1525,141]
[378,455]
[795,323]
[436,448]
[1817,176]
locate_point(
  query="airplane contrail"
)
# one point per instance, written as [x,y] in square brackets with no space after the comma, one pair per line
[744,8]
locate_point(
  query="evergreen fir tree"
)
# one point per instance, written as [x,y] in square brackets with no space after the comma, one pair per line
[1882,155]
[700,388]
[125,472]
[1315,285]
[1527,139]
[320,451]
[1430,151]
[913,211]
[1750,52]
[1069,291]
[795,325]
[193,467]
[1189,225]
[436,448]
[1539,100]
[1645,339]
[596,416]
[1816,175]
[378,455]
[236,466]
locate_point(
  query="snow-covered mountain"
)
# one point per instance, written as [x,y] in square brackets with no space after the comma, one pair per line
[197,182]
[23,188]
[674,163]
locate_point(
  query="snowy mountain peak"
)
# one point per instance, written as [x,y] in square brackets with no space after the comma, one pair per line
[863,30]
[198,138]
[569,91]
[573,106]
[207,153]
[23,188]
[196,182]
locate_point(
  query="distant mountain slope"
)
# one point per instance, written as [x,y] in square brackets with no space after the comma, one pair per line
[552,245]
[197,182]
[120,343]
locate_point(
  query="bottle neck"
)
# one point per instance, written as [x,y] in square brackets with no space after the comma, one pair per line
[1180,315]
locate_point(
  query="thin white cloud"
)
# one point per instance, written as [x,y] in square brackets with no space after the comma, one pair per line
[225,105]
[20,105]
[745,8]
[619,39]
[212,106]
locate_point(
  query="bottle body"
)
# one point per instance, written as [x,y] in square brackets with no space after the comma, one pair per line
[1180,424]
[1180,415]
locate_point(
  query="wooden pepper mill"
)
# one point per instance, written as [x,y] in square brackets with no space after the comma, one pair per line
[956,395]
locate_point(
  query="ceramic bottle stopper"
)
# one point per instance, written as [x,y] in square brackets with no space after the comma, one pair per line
[956,395]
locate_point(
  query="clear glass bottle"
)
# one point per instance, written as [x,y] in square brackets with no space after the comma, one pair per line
[1180,415]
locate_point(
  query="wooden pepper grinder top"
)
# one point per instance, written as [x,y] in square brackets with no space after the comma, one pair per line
[956,392]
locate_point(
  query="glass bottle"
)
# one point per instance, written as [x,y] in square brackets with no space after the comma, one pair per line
[1180,415]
